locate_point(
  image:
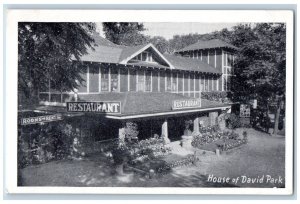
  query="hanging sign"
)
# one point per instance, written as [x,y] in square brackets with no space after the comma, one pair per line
[41,119]
[186,103]
[244,111]
[99,107]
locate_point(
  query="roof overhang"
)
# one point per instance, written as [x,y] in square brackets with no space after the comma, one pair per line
[166,113]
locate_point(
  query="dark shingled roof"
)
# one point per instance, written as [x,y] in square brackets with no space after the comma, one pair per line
[137,103]
[108,52]
[200,45]
[190,64]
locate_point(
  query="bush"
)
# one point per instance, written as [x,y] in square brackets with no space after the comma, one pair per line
[120,154]
[220,96]
[232,120]
[43,143]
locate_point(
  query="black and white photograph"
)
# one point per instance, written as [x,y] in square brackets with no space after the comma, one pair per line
[152,104]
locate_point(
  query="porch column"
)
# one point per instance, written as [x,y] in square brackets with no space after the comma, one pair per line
[164,131]
[213,118]
[122,132]
[196,126]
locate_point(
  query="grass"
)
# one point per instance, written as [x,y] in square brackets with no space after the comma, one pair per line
[262,155]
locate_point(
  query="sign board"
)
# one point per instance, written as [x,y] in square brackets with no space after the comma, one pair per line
[245,111]
[186,103]
[98,107]
[41,119]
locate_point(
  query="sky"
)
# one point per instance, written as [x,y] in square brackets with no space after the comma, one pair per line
[167,30]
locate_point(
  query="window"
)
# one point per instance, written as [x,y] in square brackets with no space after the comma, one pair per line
[202,84]
[144,56]
[174,82]
[141,81]
[148,80]
[104,79]
[206,84]
[114,80]
[168,81]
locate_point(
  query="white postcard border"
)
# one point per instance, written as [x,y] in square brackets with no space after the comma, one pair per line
[211,16]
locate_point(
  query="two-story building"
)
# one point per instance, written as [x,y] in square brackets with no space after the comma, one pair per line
[155,90]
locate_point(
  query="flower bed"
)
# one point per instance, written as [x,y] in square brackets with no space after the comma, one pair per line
[232,144]
[163,164]
[211,140]
[191,159]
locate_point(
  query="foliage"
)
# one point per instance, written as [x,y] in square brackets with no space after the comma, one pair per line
[232,120]
[209,129]
[191,159]
[120,154]
[122,33]
[209,137]
[45,53]
[44,143]
[221,96]
[131,131]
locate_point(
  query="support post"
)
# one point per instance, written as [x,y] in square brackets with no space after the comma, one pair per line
[122,133]
[164,131]
[196,126]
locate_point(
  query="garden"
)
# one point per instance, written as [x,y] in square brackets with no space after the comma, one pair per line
[212,138]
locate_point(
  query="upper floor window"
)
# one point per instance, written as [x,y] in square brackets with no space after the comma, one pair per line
[104,79]
[140,80]
[174,82]
[114,80]
[148,80]
[144,56]
[202,84]
[169,82]
[206,84]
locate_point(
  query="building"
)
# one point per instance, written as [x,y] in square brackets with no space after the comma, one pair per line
[155,90]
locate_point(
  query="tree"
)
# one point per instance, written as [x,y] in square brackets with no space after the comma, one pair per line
[124,33]
[160,43]
[46,52]
[260,65]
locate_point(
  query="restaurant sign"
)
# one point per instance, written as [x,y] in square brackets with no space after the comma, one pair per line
[98,107]
[186,103]
[41,119]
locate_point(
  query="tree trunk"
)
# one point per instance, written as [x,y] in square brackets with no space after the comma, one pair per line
[277,118]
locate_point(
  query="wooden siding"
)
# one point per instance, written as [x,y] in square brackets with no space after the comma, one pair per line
[155,81]
[93,78]
[219,59]
[186,82]
[180,82]
[162,81]
[212,57]
[123,79]
[132,77]
[204,56]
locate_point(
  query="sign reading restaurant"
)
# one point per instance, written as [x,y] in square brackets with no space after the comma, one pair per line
[41,119]
[186,103]
[99,107]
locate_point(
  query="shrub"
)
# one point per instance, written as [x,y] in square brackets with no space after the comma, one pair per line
[120,154]
[232,120]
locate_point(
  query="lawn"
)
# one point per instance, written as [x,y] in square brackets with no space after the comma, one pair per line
[262,155]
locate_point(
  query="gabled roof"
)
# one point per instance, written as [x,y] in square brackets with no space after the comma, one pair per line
[130,52]
[108,52]
[209,44]
[190,64]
